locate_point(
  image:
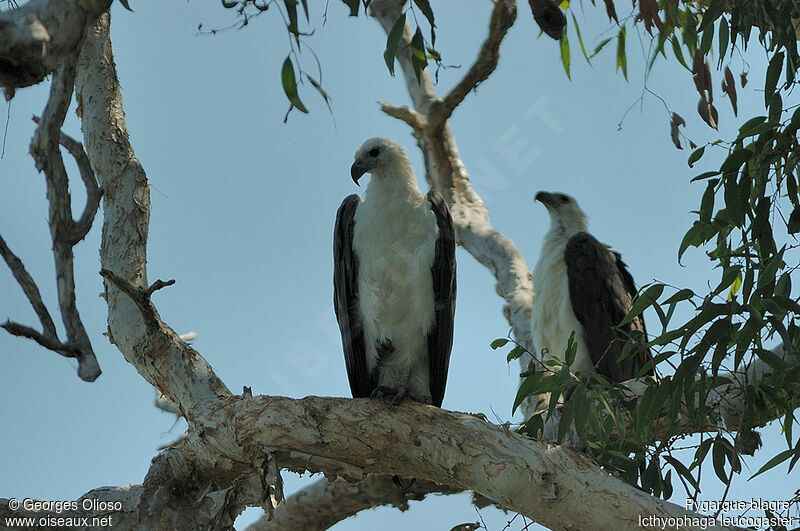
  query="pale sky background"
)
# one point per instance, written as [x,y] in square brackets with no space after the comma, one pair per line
[243,208]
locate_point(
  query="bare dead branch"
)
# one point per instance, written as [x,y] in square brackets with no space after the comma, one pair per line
[30,289]
[417,121]
[46,153]
[323,503]
[503,16]
[48,342]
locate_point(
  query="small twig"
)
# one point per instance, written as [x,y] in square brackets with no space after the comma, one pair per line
[139,295]
[49,342]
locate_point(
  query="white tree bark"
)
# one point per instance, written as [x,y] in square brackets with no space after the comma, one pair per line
[37,36]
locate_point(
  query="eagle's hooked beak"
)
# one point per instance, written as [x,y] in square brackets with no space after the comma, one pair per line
[544,198]
[356,171]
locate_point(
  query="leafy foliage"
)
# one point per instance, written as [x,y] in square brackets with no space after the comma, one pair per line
[749,212]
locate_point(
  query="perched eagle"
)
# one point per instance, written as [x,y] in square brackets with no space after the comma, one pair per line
[582,285]
[394,280]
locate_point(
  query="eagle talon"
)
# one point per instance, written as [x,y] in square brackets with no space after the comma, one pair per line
[383,391]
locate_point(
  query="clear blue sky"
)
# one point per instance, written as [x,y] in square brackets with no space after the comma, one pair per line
[243,209]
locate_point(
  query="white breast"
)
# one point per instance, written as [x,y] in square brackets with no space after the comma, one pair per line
[394,237]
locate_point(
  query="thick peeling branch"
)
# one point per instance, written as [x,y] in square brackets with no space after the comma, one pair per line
[445,171]
[36,37]
[163,359]
[554,485]
[324,503]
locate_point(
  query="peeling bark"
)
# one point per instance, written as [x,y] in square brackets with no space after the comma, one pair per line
[37,36]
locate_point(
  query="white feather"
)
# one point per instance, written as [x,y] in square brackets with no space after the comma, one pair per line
[552,319]
[394,238]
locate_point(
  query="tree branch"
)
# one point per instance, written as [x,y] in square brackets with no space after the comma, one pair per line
[37,36]
[164,360]
[503,16]
[224,452]
[45,151]
[323,503]
[30,289]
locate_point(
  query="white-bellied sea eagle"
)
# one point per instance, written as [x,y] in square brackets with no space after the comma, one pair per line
[394,280]
[581,285]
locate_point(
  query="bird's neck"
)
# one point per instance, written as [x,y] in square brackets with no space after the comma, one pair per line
[398,183]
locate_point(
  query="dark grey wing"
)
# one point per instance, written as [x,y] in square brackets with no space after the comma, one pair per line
[643,355]
[601,291]
[440,336]
[345,299]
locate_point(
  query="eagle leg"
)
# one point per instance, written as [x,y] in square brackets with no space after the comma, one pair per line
[384,348]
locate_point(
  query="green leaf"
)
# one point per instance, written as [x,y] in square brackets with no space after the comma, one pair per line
[775,461]
[640,303]
[425,7]
[773,73]
[321,91]
[682,471]
[290,85]
[565,52]
[572,349]
[291,11]
[695,156]
[419,60]
[681,295]
[735,160]
[694,237]
[535,384]
[622,60]
[580,38]
[707,202]
[676,49]
[515,353]
[393,41]
[793,225]
[747,127]
[600,46]
[705,175]
[708,38]
[718,452]
[497,343]
[736,285]
[771,359]
[724,38]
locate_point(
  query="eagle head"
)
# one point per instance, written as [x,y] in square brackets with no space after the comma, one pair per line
[566,217]
[379,156]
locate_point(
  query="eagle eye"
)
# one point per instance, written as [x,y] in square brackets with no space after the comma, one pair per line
[374,152]
[563,198]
